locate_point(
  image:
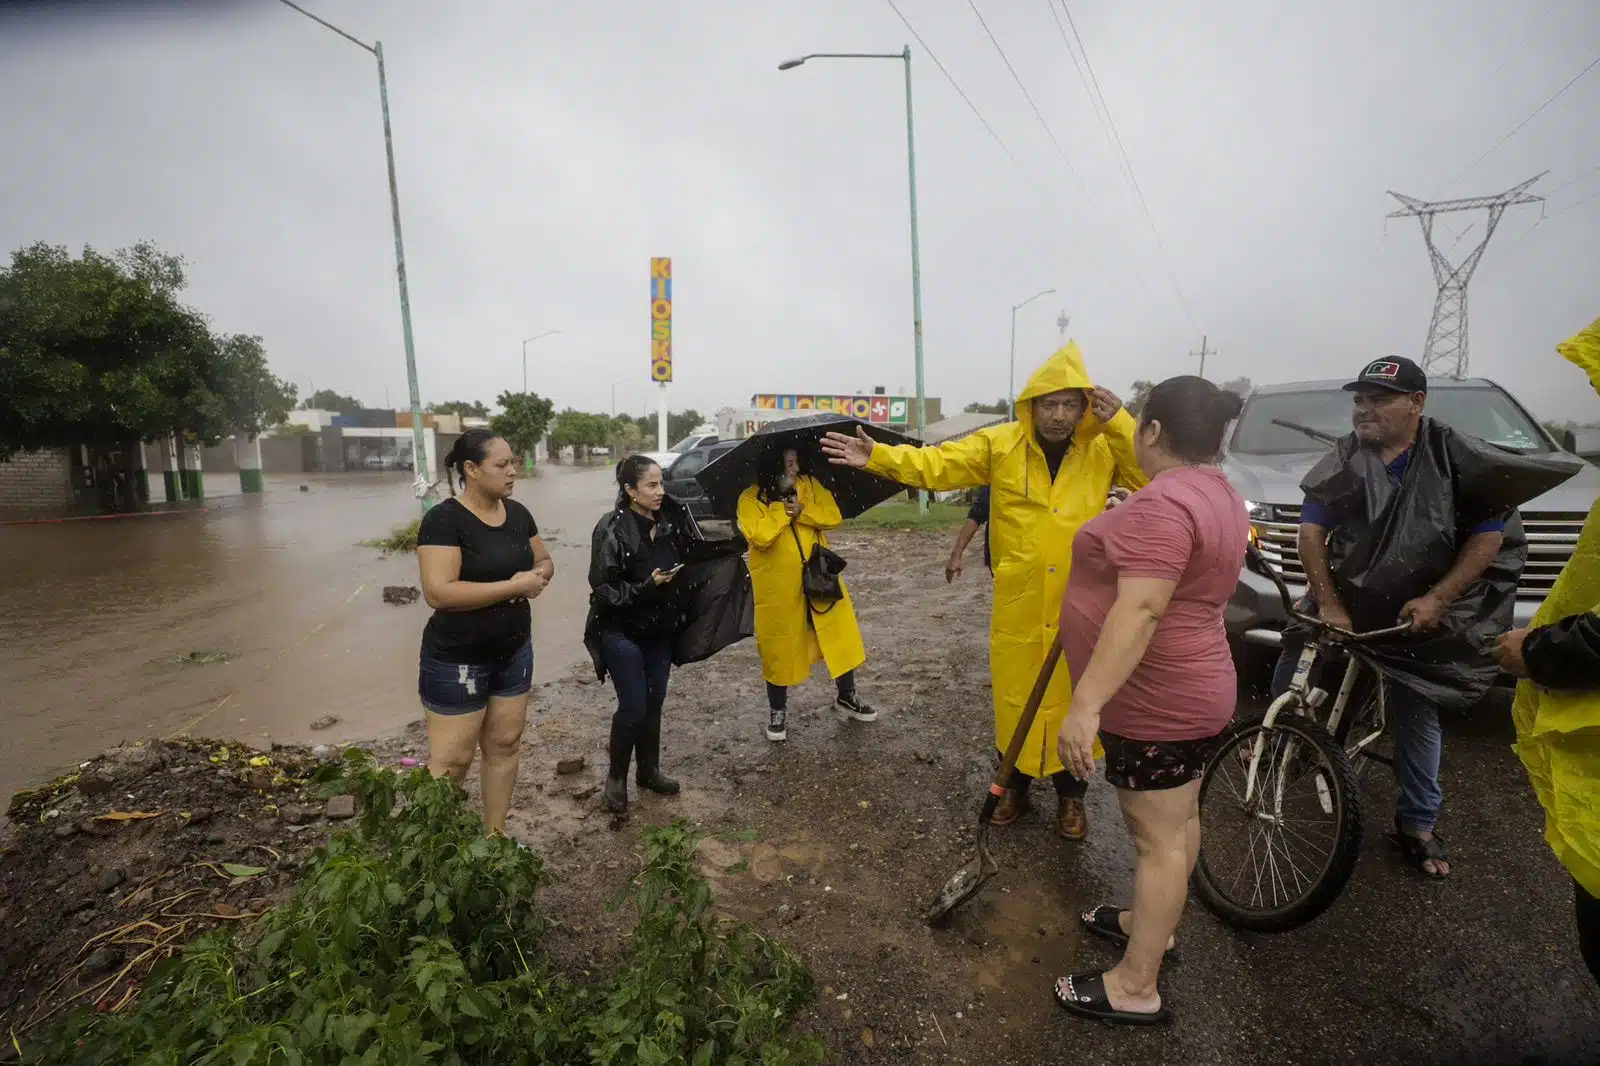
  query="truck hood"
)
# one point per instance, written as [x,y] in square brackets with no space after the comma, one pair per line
[1275,479]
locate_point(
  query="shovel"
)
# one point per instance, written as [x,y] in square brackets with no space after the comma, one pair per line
[965,882]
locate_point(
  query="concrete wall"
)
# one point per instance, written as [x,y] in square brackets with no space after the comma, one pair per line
[36,480]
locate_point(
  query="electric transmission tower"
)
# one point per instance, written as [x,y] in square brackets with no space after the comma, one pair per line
[1063,320]
[1446,351]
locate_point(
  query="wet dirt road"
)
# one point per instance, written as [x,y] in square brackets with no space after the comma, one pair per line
[93,613]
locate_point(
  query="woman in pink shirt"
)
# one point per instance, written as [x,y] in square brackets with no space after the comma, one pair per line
[1152,676]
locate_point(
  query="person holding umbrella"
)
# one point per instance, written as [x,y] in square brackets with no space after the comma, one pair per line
[785,517]
[1048,472]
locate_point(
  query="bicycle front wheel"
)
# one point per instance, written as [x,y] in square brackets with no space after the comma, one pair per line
[1275,858]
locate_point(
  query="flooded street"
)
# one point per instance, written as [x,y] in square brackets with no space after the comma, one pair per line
[94,615]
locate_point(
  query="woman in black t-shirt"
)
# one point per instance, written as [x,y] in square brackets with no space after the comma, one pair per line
[635,612]
[482,561]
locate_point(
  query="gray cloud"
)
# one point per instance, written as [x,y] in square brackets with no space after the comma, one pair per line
[545,152]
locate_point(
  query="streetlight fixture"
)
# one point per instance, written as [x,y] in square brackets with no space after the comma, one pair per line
[904,55]
[530,340]
[1011,378]
[418,441]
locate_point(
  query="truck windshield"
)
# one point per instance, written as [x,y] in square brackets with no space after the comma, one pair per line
[686,443]
[1486,413]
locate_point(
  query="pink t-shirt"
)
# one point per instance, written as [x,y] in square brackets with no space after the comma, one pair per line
[1188,525]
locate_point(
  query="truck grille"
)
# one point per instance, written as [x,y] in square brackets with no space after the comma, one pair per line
[1552,535]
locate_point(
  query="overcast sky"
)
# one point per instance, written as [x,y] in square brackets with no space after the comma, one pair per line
[546,151]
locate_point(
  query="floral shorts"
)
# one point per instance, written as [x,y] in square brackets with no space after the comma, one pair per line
[1152,765]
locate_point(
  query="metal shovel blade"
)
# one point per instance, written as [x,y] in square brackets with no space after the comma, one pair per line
[964,883]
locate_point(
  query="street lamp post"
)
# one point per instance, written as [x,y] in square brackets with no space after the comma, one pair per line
[530,340]
[528,459]
[904,55]
[1011,378]
[419,448]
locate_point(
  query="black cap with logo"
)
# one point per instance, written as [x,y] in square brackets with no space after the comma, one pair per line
[1394,373]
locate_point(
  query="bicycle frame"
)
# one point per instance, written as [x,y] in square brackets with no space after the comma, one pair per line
[1302,695]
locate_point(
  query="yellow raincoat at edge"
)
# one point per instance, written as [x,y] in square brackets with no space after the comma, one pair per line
[1558,733]
[788,643]
[1031,525]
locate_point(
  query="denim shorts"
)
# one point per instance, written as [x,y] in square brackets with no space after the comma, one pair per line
[465,688]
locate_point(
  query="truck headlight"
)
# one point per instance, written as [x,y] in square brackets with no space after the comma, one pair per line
[1258,512]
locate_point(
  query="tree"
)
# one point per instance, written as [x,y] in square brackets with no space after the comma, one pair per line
[1137,395]
[254,400]
[98,351]
[1240,385]
[679,425]
[523,421]
[999,407]
[581,430]
[464,408]
[328,400]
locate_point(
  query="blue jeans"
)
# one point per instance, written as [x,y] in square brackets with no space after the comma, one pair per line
[1418,748]
[639,670]
[447,687]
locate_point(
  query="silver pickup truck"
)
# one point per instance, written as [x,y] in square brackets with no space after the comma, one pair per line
[1265,462]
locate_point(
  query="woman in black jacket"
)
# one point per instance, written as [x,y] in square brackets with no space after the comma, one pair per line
[638,606]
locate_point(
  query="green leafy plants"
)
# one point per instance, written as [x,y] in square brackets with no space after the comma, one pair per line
[412,938]
[402,538]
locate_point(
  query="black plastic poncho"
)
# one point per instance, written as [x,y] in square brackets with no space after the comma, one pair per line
[1395,542]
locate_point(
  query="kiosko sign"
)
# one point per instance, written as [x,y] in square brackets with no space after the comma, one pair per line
[661,320]
[893,410]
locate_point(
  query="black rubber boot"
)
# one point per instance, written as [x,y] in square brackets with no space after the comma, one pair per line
[615,796]
[649,751]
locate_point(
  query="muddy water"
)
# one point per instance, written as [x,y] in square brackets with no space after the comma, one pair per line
[92,614]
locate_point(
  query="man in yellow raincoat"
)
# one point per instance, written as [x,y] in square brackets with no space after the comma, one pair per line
[1048,473]
[1557,710]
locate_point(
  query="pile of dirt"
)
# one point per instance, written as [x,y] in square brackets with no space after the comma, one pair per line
[106,872]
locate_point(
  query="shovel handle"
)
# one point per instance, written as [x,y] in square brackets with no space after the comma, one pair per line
[1002,776]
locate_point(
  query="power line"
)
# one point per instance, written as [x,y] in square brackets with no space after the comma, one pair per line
[959,91]
[1518,127]
[1062,152]
[1144,204]
[1568,184]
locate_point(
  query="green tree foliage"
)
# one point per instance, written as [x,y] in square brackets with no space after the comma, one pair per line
[1240,385]
[412,938]
[328,400]
[98,350]
[523,421]
[999,407]
[679,425]
[464,408]
[579,429]
[1134,401]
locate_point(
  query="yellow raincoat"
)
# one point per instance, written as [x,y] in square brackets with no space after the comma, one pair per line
[788,642]
[1032,521]
[1558,733]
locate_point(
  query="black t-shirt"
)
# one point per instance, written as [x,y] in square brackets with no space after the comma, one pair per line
[488,554]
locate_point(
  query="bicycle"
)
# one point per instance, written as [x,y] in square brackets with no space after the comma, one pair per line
[1275,752]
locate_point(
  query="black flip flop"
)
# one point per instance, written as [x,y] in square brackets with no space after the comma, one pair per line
[1085,996]
[1417,851]
[1101,920]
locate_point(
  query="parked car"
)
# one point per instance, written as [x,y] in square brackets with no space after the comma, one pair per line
[700,438]
[1266,462]
[679,476]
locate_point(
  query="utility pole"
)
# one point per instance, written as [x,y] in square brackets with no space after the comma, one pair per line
[1203,353]
[1446,350]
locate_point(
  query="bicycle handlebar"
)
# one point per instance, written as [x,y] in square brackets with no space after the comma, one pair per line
[1255,556]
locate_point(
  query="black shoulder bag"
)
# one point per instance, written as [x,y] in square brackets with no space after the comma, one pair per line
[819,575]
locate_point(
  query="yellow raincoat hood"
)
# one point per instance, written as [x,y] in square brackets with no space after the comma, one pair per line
[1063,370]
[1033,517]
[1558,733]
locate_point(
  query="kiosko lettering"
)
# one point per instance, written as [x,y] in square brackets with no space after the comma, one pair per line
[661,320]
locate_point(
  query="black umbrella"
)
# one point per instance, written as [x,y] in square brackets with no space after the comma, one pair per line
[855,490]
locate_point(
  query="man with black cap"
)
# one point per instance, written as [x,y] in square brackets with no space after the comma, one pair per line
[1388,399]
